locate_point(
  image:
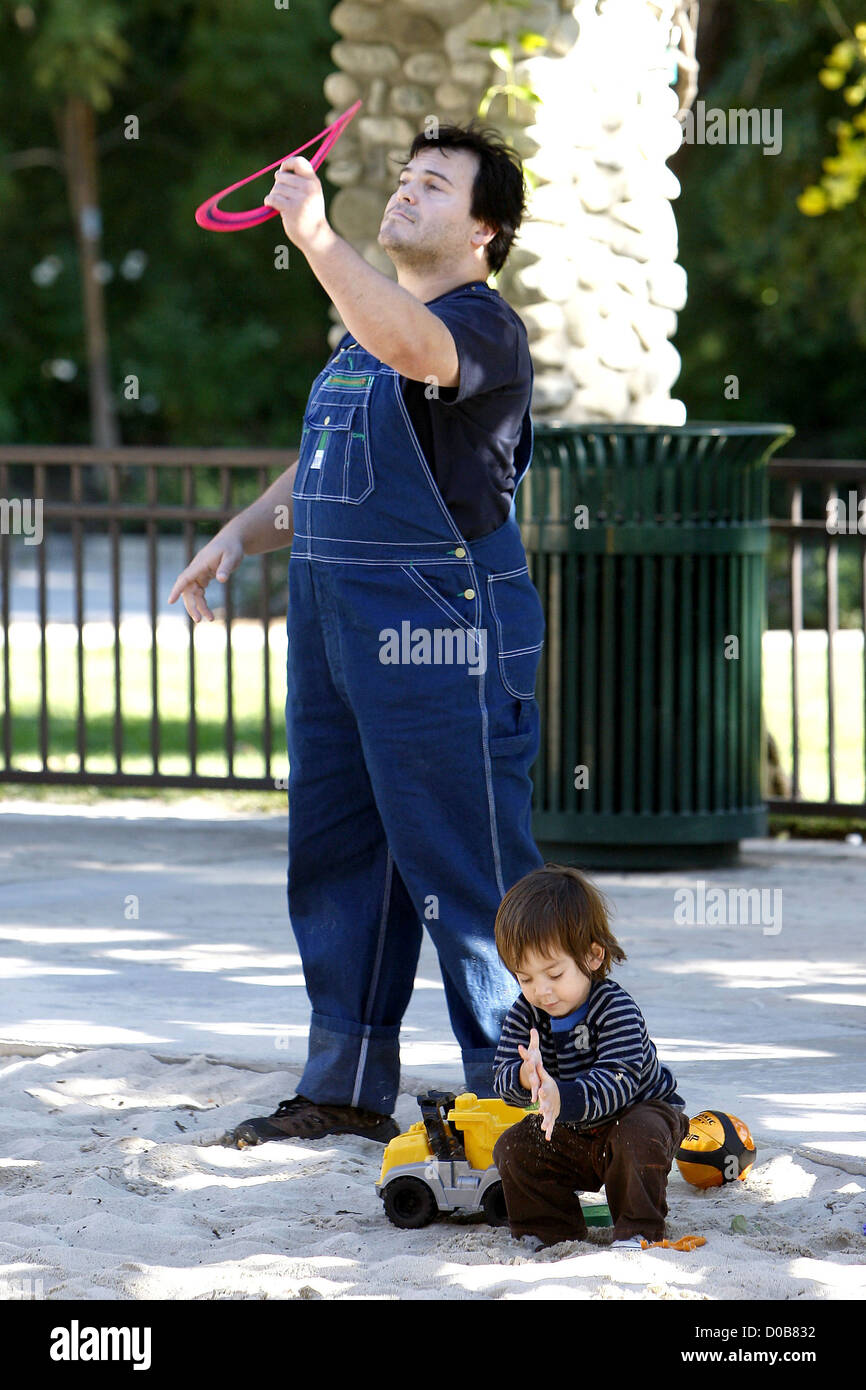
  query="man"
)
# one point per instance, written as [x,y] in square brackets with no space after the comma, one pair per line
[414,629]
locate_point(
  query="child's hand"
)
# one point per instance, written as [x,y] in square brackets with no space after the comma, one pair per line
[533,1069]
[549,1104]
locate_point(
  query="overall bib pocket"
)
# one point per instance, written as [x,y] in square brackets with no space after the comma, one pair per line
[519,617]
[441,585]
[336,464]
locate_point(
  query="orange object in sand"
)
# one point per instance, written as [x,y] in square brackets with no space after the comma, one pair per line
[684,1243]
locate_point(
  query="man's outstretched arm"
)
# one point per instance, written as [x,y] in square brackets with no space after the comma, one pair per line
[386,319]
[266,524]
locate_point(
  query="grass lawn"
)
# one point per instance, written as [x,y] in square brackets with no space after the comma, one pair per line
[849,709]
[248,684]
[135,701]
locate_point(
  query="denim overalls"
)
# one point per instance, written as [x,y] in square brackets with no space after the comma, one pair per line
[411,727]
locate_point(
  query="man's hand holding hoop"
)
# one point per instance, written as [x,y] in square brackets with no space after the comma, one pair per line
[298,197]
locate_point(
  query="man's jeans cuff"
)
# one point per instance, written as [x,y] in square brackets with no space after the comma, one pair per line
[478,1069]
[352,1064]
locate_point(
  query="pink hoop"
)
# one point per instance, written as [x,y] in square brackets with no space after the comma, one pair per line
[211,216]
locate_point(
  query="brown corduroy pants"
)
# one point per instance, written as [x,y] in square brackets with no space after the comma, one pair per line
[630,1155]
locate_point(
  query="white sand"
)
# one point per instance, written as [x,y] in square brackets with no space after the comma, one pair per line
[128,1040]
[114,1186]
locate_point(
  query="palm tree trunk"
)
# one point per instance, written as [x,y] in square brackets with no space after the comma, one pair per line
[594,272]
[75,122]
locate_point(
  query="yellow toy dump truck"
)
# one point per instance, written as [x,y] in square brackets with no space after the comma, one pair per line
[445,1161]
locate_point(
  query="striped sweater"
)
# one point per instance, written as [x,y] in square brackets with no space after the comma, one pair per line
[602,1066]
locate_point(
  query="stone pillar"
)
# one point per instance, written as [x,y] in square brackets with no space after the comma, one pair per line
[593,272]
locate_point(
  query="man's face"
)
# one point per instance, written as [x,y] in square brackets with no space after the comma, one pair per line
[426,221]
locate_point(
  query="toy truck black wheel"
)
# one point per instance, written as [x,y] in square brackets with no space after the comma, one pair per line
[493,1205]
[409,1203]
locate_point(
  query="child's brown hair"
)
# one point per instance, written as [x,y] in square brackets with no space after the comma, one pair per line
[555,907]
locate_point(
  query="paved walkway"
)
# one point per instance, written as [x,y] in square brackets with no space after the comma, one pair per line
[171,935]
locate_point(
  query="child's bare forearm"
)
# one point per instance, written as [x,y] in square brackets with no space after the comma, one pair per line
[268,523]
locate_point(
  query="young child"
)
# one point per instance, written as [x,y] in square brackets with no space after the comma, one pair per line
[576,1042]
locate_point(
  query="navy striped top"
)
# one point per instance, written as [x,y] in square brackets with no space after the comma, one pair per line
[603,1064]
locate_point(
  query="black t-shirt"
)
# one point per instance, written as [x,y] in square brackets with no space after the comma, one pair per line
[470,433]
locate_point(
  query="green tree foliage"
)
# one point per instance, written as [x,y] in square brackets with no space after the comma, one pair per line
[776,300]
[844,71]
[222,343]
[77,49]
[775,323]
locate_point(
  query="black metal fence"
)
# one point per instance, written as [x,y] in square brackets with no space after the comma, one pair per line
[824,506]
[150,498]
[152,495]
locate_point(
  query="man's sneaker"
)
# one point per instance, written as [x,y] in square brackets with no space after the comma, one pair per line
[300,1118]
[628,1243]
[531,1244]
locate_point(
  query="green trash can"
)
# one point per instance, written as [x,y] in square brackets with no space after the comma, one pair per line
[647,545]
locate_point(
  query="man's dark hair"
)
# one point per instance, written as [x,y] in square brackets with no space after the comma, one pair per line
[499,190]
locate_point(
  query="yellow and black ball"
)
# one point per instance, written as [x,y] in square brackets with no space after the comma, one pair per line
[717,1149]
